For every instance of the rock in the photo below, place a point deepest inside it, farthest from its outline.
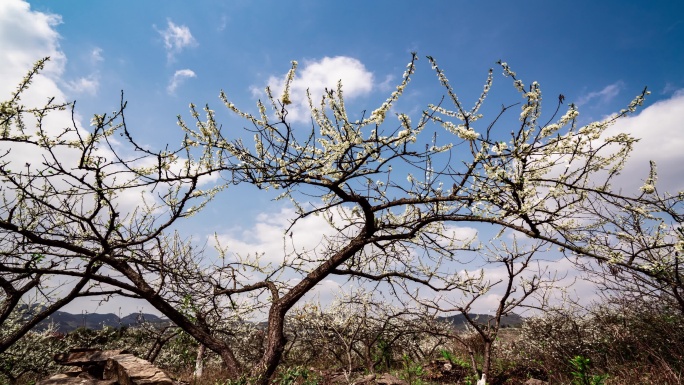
(108, 367)
(91, 361)
(534, 381)
(64, 379)
(388, 379)
(336, 378)
(131, 370)
(365, 380)
(81, 357)
(73, 372)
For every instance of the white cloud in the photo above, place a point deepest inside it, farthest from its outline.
(669, 89)
(461, 232)
(324, 293)
(96, 55)
(176, 38)
(661, 139)
(387, 84)
(604, 96)
(267, 235)
(178, 78)
(311, 236)
(316, 76)
(85, 85)
(25, 37)
(658, 129)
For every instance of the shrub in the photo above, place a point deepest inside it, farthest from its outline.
(617, 337)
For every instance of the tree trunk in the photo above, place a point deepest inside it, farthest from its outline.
(199, 332)
(154, 351)
(370, 366)
(275, 339)
(487, 358)
(199, 362)
(473, 363)
(275, 345)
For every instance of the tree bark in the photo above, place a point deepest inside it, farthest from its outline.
(199, 362)
(486, 360)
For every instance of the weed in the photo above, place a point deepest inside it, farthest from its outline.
(580, 375)
(411, 371)
(453, 359)
(239, 381)
(297, 375)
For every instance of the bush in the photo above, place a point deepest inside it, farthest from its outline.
(620, 338)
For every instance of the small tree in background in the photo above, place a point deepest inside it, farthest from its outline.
(523, 284)
(359, 330)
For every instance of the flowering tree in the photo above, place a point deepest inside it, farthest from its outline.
(68, 228)
(392, 196)
(392, 193)
(650, 237)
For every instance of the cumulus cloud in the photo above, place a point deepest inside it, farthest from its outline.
(178, 78)
(33, 36)
(176, 39)
(661, 139)
(267, 235)
(25, 37)
(318, 75)
(461, 233)
(604, 96)
(669, 89)
(85, 85)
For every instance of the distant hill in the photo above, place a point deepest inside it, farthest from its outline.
(65, 322)
(459, 320)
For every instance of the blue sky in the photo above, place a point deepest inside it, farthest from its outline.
(599, 54)
(577, 48)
